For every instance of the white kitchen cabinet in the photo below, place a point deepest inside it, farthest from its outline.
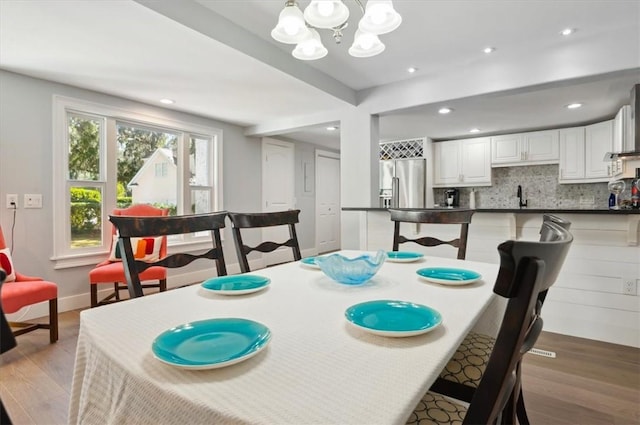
(571, 155)
(462, 163)
(622, 130)
(533, 148)
(506, 149)
(582, 151)
(598, 141)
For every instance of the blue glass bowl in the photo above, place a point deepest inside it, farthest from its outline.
(351, 271)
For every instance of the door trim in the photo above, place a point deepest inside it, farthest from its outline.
(278, 255)
(332, 155)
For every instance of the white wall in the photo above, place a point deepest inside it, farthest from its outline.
(26, 167)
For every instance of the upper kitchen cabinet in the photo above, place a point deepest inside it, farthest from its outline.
(571, 155)
(582, 151)
(598, 141)
(462, 163)
(537, 147)
(622, 130)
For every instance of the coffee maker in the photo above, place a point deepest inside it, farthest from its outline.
(452, 193)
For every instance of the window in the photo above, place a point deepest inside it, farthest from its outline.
(161, 169)
(109, 158)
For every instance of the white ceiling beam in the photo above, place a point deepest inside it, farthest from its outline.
(203, 20)
(290, 124)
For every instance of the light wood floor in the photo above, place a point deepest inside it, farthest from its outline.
(589, 382)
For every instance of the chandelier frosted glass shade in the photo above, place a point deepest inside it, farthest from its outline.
(379, 17)
(291, 27)
(366, 45)
(310, 49)
(294, 27)
(326, 13)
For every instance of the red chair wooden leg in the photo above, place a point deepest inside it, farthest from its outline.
(53, 320)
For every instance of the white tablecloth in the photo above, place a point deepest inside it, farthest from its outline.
(317, 369)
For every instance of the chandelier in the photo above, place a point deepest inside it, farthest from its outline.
(294, 27)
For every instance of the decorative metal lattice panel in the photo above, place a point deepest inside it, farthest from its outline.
(400, 149)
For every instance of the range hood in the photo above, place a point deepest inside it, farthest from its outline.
(634, 152)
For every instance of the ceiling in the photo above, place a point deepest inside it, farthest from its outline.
(215, 58)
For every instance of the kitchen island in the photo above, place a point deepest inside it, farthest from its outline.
(589, 298)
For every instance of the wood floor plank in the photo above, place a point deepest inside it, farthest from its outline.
(16, 413)
(592, 359)
(37, 393)
(574, 390)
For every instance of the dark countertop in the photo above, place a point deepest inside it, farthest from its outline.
(518, 210)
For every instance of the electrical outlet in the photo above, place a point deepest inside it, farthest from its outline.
(12, 201)
(587, 200)
(629, 286)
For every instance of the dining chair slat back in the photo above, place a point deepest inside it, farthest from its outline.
(241, 221)
(461, 217)
(516, 258)
(140, 227)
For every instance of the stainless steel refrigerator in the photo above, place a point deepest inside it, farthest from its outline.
(402, 183)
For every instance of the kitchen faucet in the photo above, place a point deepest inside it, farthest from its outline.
(519, 195)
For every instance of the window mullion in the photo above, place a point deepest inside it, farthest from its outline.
(110, 160)
(184, 190)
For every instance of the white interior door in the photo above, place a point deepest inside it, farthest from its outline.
(327, 201)
(277, 192)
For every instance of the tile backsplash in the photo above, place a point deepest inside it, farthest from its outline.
(539, 187)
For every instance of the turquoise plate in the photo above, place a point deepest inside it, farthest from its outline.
(449, 276)
(236, 284)
(310, 262)
(210, 344)
(393, 318)
(403, 256)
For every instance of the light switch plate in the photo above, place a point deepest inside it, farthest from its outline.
(33, 200)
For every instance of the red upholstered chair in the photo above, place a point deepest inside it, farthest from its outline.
(20, 290)
(112, 272)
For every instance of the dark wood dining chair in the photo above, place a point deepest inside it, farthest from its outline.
(461, 217)
(138, 227)
(465, 371)
(241, 221)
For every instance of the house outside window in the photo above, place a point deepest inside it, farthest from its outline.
(110, 158)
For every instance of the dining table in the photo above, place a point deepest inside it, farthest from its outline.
(316, 367)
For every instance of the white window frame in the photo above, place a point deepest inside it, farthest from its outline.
(64, 256)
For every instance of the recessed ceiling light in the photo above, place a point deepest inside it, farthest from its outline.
(412, 70)
(574, 105)
(489, 49)
(568, 31)
(474, 130)
(444, 110)
(167, 101)
(332, 128)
